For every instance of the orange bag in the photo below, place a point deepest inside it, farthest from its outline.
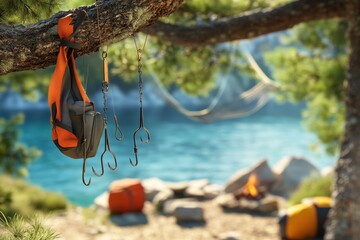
(126, 195)
(76, 127)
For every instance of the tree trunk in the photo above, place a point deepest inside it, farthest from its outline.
(344, 220)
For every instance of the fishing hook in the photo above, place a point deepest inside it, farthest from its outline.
(134, 138)
(107, 148)
(118, 130)
(84, 165)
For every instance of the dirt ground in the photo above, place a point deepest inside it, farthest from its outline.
(76, 224)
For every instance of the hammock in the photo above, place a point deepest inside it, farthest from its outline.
(228, 103)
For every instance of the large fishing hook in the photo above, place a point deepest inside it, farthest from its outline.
(107, 148)
(84, 164)
(139, 53)
(141, 127)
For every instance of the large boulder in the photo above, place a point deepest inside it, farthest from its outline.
(291, 172)
(153, 186)
(262, 171)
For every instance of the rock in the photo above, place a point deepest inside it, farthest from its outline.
(229, 236)
(160, 199)
(212, 191)
(226, 200)
(196, 188)
(102, 201)
(129, 219)
(172, 204)
(199, 183)
(291, 172)
(262, 170)
(194, 192)
(268, 205)
(189, 212)
(327, 171)
(178, 188)
(153, 186)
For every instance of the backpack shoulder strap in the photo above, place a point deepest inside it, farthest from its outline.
(67, 29)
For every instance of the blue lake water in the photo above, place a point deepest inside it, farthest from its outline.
(180, 149)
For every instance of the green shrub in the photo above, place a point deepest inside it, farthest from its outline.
(17, 228)
(15, 156)
(312, 187)
(18, 196)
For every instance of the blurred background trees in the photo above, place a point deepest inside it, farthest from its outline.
(309, 64)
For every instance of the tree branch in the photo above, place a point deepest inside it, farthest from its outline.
(36, 46)
(249, 25)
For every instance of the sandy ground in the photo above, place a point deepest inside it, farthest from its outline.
(73, 225)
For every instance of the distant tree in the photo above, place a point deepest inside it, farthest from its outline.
(14, 156)
(312, 66)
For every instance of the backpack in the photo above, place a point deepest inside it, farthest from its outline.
(76, 126)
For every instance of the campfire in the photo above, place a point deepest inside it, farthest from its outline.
(252, 189)
(252, 197)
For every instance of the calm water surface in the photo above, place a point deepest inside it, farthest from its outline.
(180, 149)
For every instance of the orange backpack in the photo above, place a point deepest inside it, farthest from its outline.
(76, 127)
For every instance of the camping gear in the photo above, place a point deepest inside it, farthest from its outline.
(76, 126)
(105, 90)
(126, 195)
(306, 220)
(139, 52)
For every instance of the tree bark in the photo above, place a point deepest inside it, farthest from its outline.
(249, 25)
(36, 46)
(344, 220)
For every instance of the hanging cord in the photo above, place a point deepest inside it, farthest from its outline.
(105, 90)
(139, 52)
(118, 133)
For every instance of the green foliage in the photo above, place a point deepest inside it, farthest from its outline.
(14, 156)
(312, 187)
(19, 197)
(77, 3)
(193, 70)
(325, 116)
(19, 228)
(30, 84)
(312, 68)
(26, 11)
(204, 10)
